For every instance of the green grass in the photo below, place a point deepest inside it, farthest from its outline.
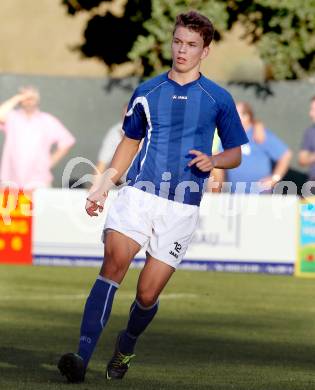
(213, 331)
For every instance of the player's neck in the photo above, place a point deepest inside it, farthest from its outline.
(184, 78)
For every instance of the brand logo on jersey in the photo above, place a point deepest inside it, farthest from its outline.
(178, 97)
(177, 248)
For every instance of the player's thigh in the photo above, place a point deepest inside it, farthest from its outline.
(152, 280)
(173, 232)
(119, 251)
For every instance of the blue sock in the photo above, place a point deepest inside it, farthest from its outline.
(139, 318)
(96, 313)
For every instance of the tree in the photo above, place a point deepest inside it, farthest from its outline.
(107, 36)
(282, 30)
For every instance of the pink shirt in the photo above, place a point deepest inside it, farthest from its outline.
(27, 148)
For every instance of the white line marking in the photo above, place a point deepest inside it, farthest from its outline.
(68, 297)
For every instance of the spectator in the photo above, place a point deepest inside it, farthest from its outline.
(265, 159)
(35, 141)
(217, 175)
(307, 152)
(110, 142)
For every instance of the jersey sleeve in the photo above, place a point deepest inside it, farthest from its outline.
(135, 121)
(274, 146)
(230, 129)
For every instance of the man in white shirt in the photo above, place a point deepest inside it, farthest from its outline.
(110, 142)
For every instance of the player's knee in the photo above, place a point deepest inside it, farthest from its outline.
(113, 270)
(114, 266)
(146, 298)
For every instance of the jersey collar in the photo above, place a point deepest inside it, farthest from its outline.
(184, 85)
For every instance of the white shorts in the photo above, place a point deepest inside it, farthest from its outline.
(165, 227)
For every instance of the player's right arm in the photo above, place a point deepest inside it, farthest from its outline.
(134, 126)
(123, 156)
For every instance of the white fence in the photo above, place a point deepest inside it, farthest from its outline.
(248, 233)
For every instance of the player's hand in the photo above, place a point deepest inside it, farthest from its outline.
(202, 161)
(95, 203)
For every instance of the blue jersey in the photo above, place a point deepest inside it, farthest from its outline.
(174, 119)
(256, 163)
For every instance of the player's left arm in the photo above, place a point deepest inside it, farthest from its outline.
(232, 136)
(228, 159)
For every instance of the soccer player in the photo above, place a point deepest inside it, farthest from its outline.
(176, 114)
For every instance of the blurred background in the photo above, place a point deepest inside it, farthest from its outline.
(87, 56)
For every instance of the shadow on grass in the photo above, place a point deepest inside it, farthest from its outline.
(30, 370)
(168, 346)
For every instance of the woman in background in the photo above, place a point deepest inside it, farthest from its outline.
(265, 159)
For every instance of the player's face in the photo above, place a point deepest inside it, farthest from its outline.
(187, 50)
(312, 111)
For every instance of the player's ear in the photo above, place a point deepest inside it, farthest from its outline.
(205, 52)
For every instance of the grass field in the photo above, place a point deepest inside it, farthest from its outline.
(213, 331)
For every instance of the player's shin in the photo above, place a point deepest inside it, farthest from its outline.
(96, 313)
(139, 319)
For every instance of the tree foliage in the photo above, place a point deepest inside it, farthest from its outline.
(282, 30)
(107, 36)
